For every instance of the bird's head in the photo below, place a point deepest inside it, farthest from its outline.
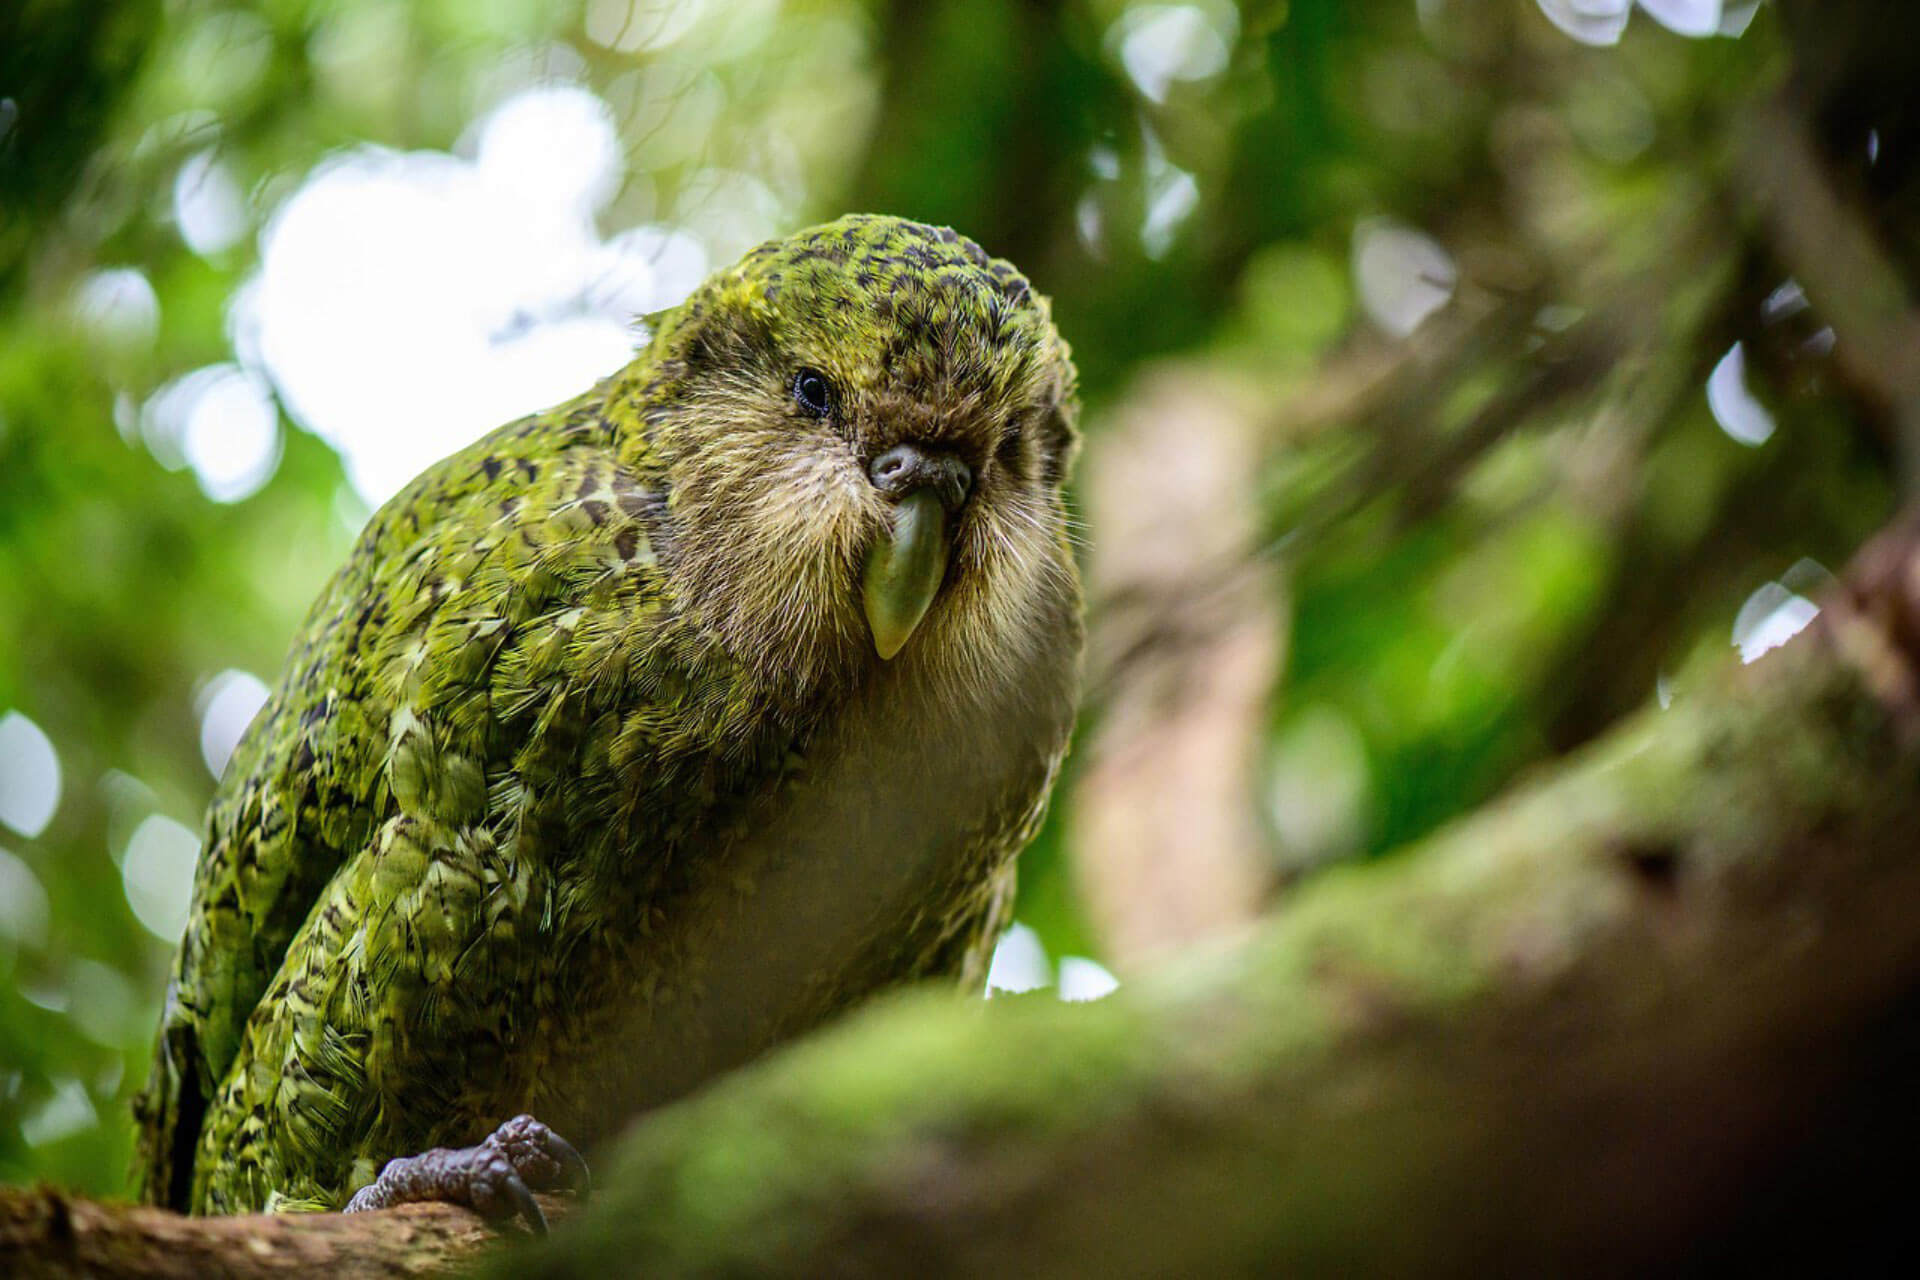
(865, 428)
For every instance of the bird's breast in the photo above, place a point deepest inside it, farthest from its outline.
(854, 873)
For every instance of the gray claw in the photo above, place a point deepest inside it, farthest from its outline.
(525, 1205)
(579, 1178)
(496, 1178)
(545, 1159)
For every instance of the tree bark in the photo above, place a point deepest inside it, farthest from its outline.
(1573, 1032)
(45, 1233)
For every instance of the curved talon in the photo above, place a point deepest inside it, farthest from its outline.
(527, 1208)
(573, 1166)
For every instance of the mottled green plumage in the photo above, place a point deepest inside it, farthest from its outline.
(584, 779)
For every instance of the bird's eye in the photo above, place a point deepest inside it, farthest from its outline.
(812, 392)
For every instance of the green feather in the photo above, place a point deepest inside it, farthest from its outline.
(583, 781)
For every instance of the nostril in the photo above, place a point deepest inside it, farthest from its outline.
(907, 467)
(956, 482)
(895, 467)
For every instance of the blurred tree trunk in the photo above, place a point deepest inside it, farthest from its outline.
(1163, 825)
(1575, 1032)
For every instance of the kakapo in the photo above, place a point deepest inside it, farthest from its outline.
(638, 736)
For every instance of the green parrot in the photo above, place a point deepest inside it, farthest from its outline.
(639, 736)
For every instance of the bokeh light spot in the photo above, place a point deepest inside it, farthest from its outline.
(118, 306)
(1770, 617)
(221, 421)
(1083, 979)
(1784, 302)
(1596, 22)
(558, 140)
(208, 206)
(1736, 18)
(1089, 221)
(1163, 44)
(1734, 407)
(228, 703)
(1603, 22)
(231, 433)
(1686, 17)
(1402, 275)
(157, 874)
(1019, 963)
(23, 902)
(29, 775)
(1173, 197)
(407, 303)
(67, 1112)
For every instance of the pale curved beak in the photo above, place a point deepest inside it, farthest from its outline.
(904, 569)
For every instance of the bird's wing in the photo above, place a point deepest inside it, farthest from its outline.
(465, 572)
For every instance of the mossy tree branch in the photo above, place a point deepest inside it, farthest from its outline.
(1565, 1032)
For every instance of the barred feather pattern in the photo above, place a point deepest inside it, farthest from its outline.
(582, 781)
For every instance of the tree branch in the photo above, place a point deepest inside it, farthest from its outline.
(46, 1233)
(1568, 1032)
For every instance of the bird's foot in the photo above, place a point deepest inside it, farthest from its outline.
(496, 1179)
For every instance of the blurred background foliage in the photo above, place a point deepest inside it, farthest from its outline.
(1443, 395)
